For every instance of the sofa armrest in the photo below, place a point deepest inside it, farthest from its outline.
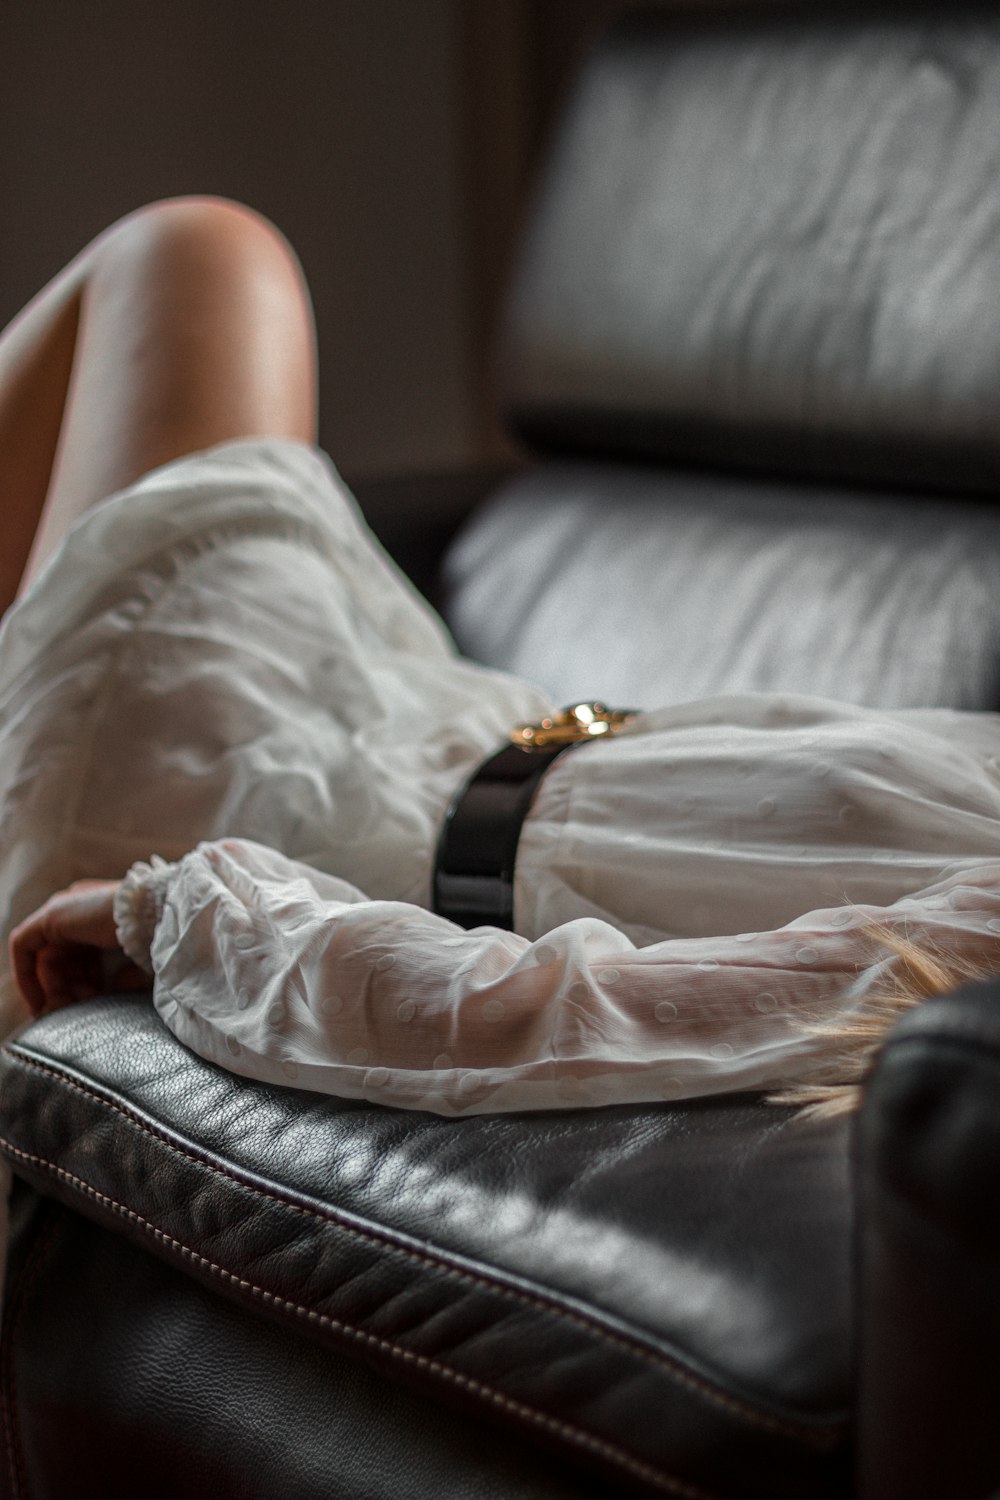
(929, 1216)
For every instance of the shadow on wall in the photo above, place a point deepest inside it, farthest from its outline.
(338, 119)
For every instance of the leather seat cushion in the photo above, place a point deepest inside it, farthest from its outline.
(659, 1292)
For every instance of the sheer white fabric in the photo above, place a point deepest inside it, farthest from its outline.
(222, 652)
(281, 973)
(223, 648)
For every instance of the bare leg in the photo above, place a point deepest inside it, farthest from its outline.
(186, 324)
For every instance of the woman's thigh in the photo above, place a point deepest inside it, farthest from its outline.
(195, 328)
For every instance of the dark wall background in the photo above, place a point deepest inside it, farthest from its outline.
(393, 141)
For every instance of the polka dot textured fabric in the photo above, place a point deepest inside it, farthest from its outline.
(692, 898)
(482, 1021)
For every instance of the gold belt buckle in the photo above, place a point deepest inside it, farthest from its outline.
(581, 721)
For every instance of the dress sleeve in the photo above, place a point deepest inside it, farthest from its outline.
(281, 973)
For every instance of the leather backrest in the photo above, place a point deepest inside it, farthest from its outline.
(772, 241)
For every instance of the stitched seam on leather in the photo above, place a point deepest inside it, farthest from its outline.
(674, 1371)
(577, 1435)
(25, 1287)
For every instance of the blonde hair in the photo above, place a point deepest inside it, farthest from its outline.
(919, 973)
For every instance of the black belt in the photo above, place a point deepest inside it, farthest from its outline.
(477, 848)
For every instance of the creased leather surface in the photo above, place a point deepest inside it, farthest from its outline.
(647, 586)
(770, 241)
(611, 1280)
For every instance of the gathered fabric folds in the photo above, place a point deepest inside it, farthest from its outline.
(223, 648)
(222, 682)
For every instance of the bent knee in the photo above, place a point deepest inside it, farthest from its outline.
(208, 235)
(206, 216)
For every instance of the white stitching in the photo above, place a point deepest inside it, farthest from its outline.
(671, 1369)
(540, 1419)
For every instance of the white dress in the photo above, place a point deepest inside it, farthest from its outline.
(221, 668)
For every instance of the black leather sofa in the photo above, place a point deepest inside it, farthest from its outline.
(754, 344)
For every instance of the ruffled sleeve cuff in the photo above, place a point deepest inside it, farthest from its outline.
(139, 906)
